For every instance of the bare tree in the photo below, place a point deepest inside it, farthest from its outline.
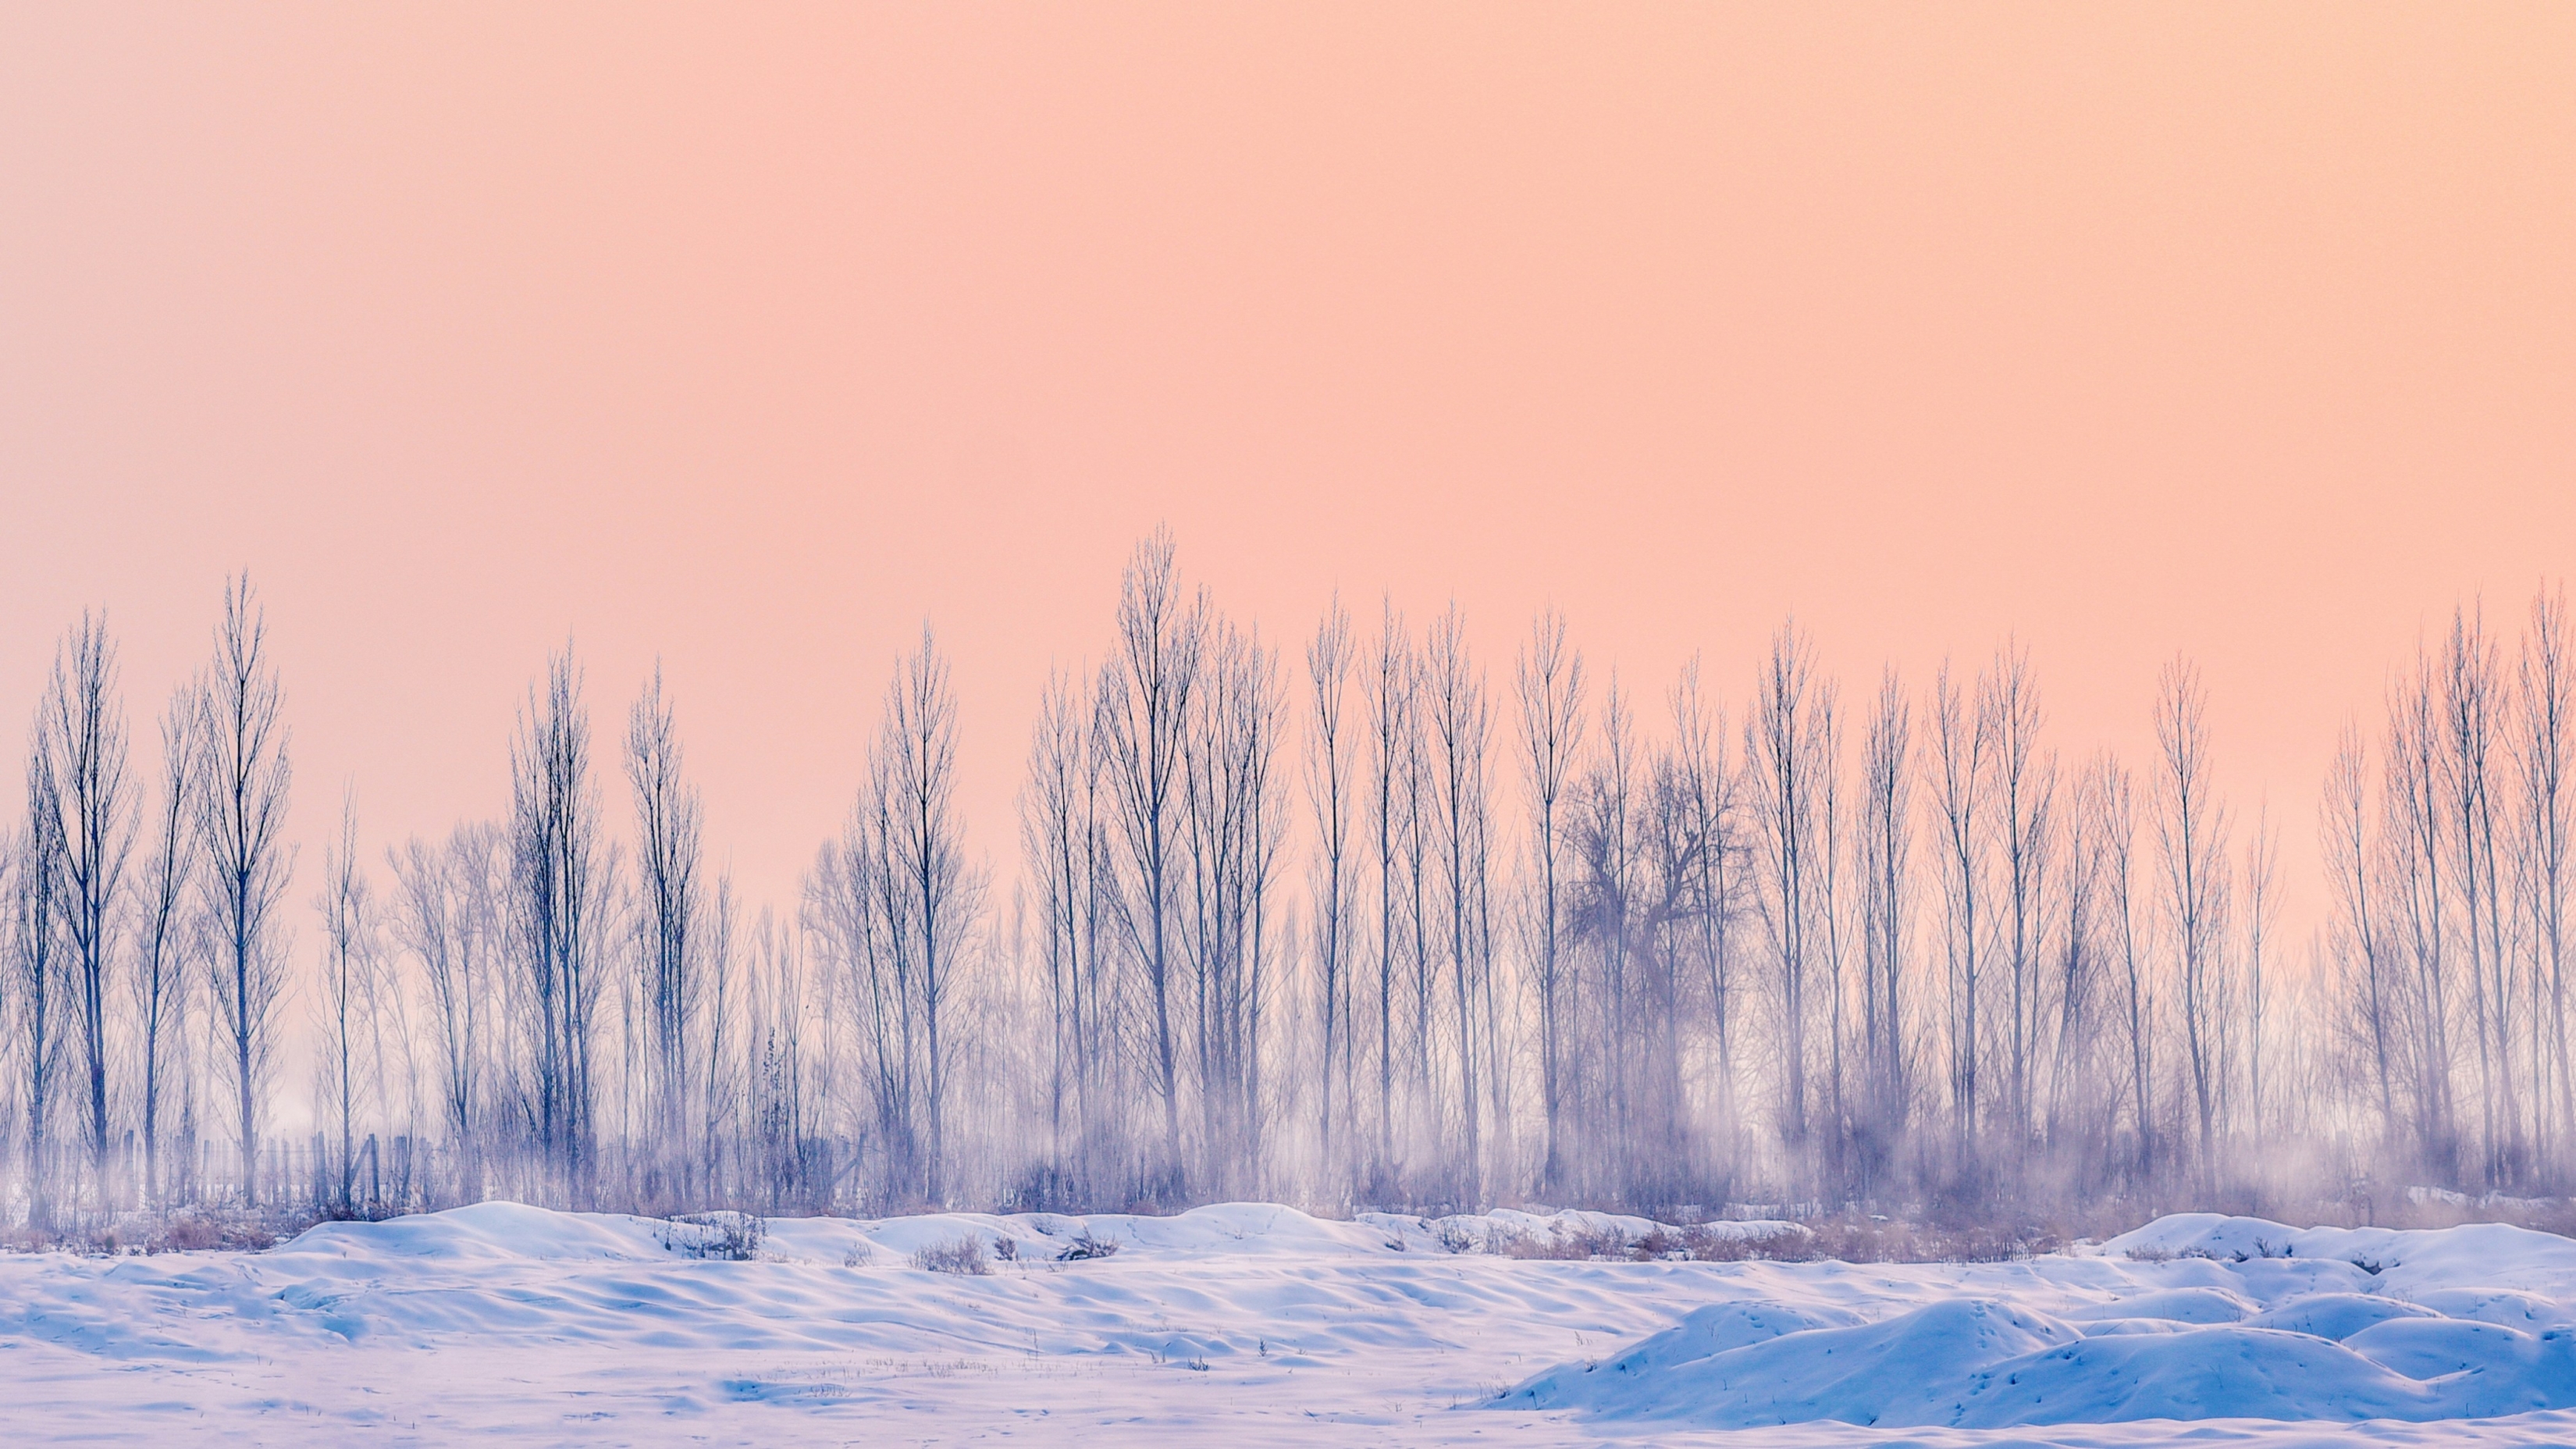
(1682, 831)
(1461, 732)
(446, 916)
(668, 926)
(80, 742)
(1230, 823)
(781, 1111)
(2025, 791)
(2117, 814)
(559, 897)
(1063, 839)
(1962, 743)
(2079, 1111)
(720, 1078)
(2469, 742)
(858, 912)
(1392, 733)
(241, 817)
(1144, 718)
(1550, 685)
(1886, 856)
(2350, 852)
(943, 895)
(1792, 751)
(36, 975)
(2542, 750)
(1710, 859)
(2262, 910)
(347, 1001)
(1608, 896)
(2191, 840)
(161, 974)
(2412, 798)
(1415, 852)
(1331, 759)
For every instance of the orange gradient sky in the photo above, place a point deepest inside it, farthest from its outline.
(750, 337)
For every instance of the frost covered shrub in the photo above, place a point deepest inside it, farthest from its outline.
(1045, 1189)
(963, 1255)
(1088, 1247)
(718, 1236)
(85, 1240)
(1850, 1240)
(1706, 1243)
(197, 1229)
(1578, 1245)
(187, 1233)
(1835, 1239)
(1517, 1244)
(1658, 1244)
(1600, 1242)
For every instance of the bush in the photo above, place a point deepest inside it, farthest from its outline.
(964, 1255)
(233, 1230)
(1601, 1242)
(1705, 1243)
(1088, 1247)
(1560, 1245)
(724, 1237)
(1874, 1240)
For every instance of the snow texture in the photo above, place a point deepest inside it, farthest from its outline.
(1254, 1324)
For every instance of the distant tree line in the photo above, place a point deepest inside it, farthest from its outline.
(1364, 919)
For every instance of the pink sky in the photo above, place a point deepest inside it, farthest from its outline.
(751, 338)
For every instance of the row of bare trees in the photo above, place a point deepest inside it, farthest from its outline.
(2448, 948)
(178, 961)
(1556, 942)
(1376, 920)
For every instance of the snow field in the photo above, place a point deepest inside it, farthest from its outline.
(1256, 1324)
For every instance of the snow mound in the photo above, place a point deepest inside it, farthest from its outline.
(484, 1232)
(2336, 1316)
(2484, 1255)
(2226, 1372)
(2198, 1317)
(1914, 1368)
(2173, 1305)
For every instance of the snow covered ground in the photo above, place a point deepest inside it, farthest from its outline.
(1249, 1324)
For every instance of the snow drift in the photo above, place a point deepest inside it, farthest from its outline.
(2191, 1317)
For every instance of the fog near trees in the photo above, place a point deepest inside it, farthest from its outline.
(1375, 912)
